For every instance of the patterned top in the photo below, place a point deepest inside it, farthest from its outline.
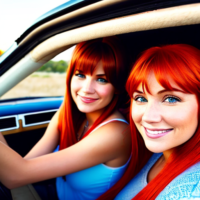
(186, 186)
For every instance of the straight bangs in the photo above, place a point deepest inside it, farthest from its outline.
(109, 65)
(87, 56)
(169, 65)
(85, 59)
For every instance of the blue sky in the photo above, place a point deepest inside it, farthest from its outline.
(17, 15)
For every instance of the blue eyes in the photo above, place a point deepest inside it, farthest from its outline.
(101, 80)
(168, 99)
(172, 100)
(140, 99)
(80, 75)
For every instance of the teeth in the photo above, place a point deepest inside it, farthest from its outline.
(156, 132)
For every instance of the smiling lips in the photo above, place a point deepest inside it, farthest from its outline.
(156, 133)
(87, 100)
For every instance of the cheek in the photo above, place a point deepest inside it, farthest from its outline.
(184, 121)
(74, 87)
(106, 91)
(136, 112)
(183, 117)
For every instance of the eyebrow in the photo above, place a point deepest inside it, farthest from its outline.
(100, 75)
(162, 91)
(139, 91)
(78, 70)
(174, 89)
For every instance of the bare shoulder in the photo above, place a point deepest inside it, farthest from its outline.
(116, 134)
(116, 126)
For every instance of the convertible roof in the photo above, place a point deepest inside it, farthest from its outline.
(119, 8)
(76, 14)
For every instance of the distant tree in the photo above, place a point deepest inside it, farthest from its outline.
(54, 66)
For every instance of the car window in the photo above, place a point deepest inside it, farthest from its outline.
(49, 80)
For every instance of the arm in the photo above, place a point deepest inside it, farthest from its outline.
(101, 146)
(48, 142)
(2, 139)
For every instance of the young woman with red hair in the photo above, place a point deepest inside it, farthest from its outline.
(93, 135)
(164, 86)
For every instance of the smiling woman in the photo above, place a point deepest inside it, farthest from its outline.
(91, 92)
(92, 134)
(169, 113)
(164, 87)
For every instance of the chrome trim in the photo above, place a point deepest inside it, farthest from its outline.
(22, 117)
(11, 128)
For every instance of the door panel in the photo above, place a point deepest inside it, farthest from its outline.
(23, 122)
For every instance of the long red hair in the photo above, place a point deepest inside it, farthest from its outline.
(85, 57)
(181, 63)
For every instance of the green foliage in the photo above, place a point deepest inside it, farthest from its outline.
(53, 66)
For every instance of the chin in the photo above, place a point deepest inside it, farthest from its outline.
(155, 148)
(85, 110)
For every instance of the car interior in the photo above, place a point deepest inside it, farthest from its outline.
(179, 24)
(25, 119)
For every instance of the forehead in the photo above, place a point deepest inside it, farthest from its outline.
(154, 86)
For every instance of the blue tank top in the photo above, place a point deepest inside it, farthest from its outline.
(90, 183)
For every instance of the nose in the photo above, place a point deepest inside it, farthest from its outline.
(88, 86)
(152, 113)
